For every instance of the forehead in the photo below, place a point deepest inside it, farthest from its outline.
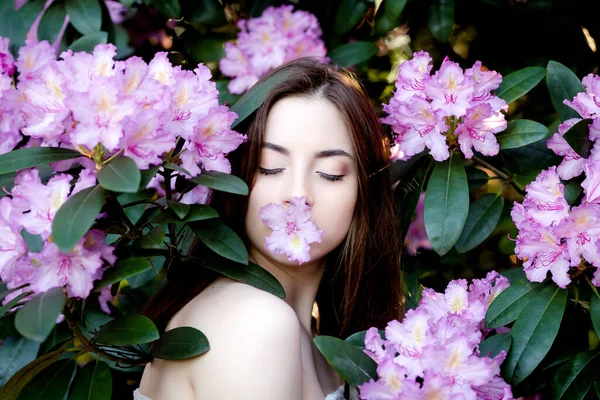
(299, 123)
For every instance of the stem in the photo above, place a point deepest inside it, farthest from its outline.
(171, 226)
(109, 159)
(495, 170)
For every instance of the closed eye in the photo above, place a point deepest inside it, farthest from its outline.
(265, 171)
(332, 178)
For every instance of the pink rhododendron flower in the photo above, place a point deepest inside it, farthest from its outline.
(279, 35)
(449, 106)
(572, 163)
(293, 232)
(433, 352)
(7, 61)
(211, 141)
(104, 298)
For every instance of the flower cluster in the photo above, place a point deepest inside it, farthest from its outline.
(450, 106)
(293, 232)
(279, 35)
(101, 107)
(554, 237)
(433, 353)
(29, 212)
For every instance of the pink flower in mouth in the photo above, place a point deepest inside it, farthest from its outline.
(293, 233)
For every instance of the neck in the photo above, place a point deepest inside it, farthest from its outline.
(300, 283)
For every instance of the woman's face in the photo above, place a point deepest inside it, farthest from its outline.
(307, 152)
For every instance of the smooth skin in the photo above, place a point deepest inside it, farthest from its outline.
(261, 346)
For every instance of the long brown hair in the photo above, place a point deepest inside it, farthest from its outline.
(361, 286)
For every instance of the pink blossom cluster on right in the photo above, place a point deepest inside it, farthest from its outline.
(554, 237)
(279, 35)
(433, 353)
(449, 106)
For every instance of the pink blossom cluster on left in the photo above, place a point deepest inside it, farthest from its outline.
(87, 100)
(279, 35)
(449, 106)
(554, 237)
(30, 210)
(433, 352)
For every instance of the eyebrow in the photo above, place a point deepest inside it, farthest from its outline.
(320, 154)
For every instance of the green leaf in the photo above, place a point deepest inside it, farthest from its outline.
(168, 8)
(250, 101)
(518, 83)
(35, 244)
(441, 19)
(484, 214)
(225, 97)
(52, 22)
(521, 132)
(251, 274)
(147, 176)
(221, 239)
(350, 13)
(353, 366)
(573, 191)
(476, 178)
(12, 303)
(412, 289)
(92, 382)
(510, 303)
(350, 54)
(574, 378)
(32, 157)
(85, 15)
(36, 319)
(51, 383)
(17, 382)
(174, 167)
(130, 329)
(388, 15)
(76, 216)
(200, 212)
(493, 345)
(533, 333)
(358, 339)
(123, 269)
(562, 84)
(222, 181)
(208, 12)
(595, 310)
(446, 203)
(578, 137)
(181, 209)
(408, 191)
(180, 344)
(153, 239)
(15, 24)
(208, 49)
(15, 353)
(88, 42)
(120, 175)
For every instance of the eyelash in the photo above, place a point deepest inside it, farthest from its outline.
(327, 177)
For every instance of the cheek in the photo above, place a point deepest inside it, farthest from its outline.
(334, 214)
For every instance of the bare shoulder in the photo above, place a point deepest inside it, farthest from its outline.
(255, 343)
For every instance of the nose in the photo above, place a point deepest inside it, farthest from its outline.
(298, 186)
